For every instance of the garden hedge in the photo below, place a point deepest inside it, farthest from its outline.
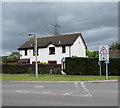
(89, 66)
(30, 68)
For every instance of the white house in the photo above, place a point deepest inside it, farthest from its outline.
(53, 49)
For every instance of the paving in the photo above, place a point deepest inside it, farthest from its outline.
(59, 94)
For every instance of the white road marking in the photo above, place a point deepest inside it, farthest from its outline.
(86, 90)
(39, 86)
(76, 85)
(46, 92)
(19, 91)
(66, 93)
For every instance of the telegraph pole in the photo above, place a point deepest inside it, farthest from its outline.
(56, 26)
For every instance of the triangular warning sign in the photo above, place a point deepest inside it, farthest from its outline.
(103, 50)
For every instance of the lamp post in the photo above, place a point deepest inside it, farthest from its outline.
(35, 53)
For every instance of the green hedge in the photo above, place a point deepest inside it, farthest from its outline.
(11, 60)
(89, 66)
(30, 68)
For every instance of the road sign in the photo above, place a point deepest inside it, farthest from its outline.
(104, 56)
(103, 52)
(107, 62)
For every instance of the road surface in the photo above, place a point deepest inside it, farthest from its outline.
(59, 94)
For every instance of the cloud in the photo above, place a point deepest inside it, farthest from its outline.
(96, 21)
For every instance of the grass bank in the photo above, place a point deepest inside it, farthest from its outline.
(49, 78)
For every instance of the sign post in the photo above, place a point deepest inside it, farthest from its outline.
(99, 63)
(104, 56)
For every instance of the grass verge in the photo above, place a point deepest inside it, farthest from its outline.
(48, 78)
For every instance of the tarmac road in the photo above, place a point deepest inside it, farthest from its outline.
(59, 94)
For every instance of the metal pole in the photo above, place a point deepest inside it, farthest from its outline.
(100, 68)
(36, 65)
(106, 71)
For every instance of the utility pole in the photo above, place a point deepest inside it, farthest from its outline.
(56, 26)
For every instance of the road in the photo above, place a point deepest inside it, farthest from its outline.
(59, 94)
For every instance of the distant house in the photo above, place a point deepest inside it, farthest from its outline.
(114, 53)
(53, 49)
(2, 58)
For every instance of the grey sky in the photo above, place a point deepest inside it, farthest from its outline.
(98, 22)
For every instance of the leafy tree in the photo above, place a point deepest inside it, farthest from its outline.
(94, 54)
(89, 53)
(115, 46)
(15, 54)
(14, 57)
(11, 60)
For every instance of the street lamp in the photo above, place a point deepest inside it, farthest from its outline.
(35, 53)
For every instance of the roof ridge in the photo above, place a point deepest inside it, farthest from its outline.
(67, 39)
(60, 35)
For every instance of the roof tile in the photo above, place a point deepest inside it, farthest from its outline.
(60, 40)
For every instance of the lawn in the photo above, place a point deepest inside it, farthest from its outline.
(50, 78)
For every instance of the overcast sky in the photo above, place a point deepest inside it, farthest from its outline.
(97, 21)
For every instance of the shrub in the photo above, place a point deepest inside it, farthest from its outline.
(43, 63)
(89, 66)
(30, 68)
(11, 60)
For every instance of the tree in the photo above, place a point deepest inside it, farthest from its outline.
(14, 54)
(115, 46)
(13, 58)
(89, 53)
(94, 54)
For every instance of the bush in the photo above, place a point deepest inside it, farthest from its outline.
(30, 68)
(11, 60)
(89, 66)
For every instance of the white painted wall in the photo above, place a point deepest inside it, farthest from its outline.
(45, 57)
(77, 49)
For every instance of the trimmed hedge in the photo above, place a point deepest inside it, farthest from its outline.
(89, 66)
(30, 68)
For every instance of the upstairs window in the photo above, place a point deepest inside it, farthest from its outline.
(51, 50)
(63, 49)
(25, 51)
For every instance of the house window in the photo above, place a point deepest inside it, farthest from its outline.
(25, 51)
(51, 50)
(63, 49)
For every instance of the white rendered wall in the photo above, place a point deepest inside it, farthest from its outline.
(44, 54)
(78, 48)
(45, 57)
